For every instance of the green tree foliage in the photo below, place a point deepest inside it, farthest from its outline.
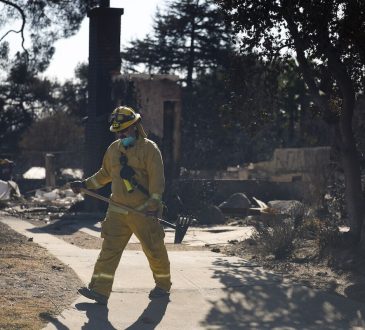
(30, 98)
(327, 39)
(42, 23)
(224, 127)
(22, 98)
(242, 112)
(239, 106)
(73, 93)
(189, 37)
(23, 95)
(59, 133)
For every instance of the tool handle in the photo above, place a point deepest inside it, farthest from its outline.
(129, 209)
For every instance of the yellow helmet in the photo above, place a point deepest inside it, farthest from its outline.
(123, 117)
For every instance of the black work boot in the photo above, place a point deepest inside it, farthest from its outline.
(158, 293)
(91, 294)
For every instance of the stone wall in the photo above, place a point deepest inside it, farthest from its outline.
(286, 165)
(297, 160)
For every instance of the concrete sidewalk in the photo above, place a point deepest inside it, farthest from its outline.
(195, 236)
(210, 291)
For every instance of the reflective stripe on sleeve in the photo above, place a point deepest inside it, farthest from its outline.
(95, 183)
(156, 196)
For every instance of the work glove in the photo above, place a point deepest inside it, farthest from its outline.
(77, 185)
(151, 207)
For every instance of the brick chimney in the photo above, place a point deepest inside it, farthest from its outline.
(104, 62)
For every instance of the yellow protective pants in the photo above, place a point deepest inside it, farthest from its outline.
(116, 230)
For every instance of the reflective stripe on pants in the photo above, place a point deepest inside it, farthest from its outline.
(116, 231)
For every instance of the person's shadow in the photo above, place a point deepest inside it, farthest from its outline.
(97, 316)
(152, 315)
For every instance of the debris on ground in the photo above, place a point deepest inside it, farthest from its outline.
(44, 204)
(8, 189)
(72, 173)
(35, 172)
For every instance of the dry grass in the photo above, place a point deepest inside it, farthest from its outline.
(34, 286)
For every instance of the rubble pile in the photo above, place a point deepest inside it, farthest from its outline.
(44, 204)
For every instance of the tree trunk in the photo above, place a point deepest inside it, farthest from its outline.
(303, 118)
(191, 59)
(349, 155)
(291, 124)
(353, 189)
(348, 148)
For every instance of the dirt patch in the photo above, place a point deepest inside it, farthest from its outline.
(61, 229)
(83, 240)
(34, 286)
(336, 271)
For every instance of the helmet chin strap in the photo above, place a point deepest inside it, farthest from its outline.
(140, 130)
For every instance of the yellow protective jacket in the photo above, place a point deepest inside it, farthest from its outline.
(145, 158)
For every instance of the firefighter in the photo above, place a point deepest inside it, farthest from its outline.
(133, 165)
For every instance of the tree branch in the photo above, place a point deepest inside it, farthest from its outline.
(305, 66)
(21, 31)
(342, 77)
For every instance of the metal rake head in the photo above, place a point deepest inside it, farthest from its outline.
(182, 225)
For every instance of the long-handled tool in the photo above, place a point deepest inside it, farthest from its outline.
(180, 227)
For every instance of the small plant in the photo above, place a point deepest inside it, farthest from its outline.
(329, 236)
(325, 232)
(277, 240)
(310, 227)
(334, 199)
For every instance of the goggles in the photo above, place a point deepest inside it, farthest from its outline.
(120, 118)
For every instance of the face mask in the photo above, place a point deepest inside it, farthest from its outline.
(128, 141)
